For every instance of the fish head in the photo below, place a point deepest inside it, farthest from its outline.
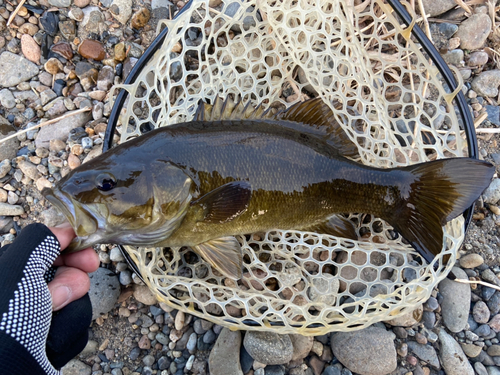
(130, 204)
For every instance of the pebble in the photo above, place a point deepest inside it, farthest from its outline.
(224, 357)
(104, 291)
(53, 66)
(60, 129)
(425, 352)
(495, 323)
(64, 49)
(408, 319)
(480, 369)
(437, 7)
(481, 312)
(302, 345)
(268, 347)
(29, 169)
(143, 294)
(10, 210)
(453, 359)
(471, 261)
(474, 31)
(471, 350)
(31, 50)
(105, 78)
(73, 161)
(15, 69)
(7, 100)
(92, 49)
(486, 83)
(478, 58)
(179, 320)
(367, 351)
(140, 18)
(76, 367)
(124, 10)
(116, 255)
(456, 301)
(144, 342)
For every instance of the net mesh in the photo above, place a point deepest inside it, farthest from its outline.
(388, 98)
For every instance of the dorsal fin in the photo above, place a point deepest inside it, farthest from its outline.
(312, 117)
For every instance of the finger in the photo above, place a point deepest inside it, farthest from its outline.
(87, 260)
(64, 234)
(68, 285)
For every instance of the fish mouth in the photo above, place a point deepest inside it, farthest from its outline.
(83, 222)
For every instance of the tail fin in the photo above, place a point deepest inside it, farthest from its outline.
(440, 191)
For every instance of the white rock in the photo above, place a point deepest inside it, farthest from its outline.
(10, 210)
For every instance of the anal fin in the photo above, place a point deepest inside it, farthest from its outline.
(224, 254)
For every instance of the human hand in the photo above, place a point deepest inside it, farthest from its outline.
(33, 339)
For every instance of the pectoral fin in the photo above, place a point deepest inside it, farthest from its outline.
(224, 254)
(226, 202)
(337, 226)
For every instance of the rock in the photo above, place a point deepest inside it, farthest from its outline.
(453, 359)
(15, 69)
(5, 167)
(494, 322)
(494, 350)
(53, 66)
(471, 350)
(437, 7)
(471, 261)
(474, 31)
(456, 301)
(425, 352)
(493, 112)
(76, 367)
(492, 194)
(409, 319)
(81, 3)
(224, 357)
(144, 295)
(43, 183)
(481, 312)
(87, 75)
(493, 370)
(50, 22)
(29, 169)
(28, 28)
(455, 57)
(8, 149)
(60, 129)
(441, 34)
(124, 10)
(64, 49)
(31, 50)
(10, 210)
(268, 347)
(60, 3)
(92, 49)
(104, 291)
(105, 78)
(68, 29)
(478, 58)
(369, 351)
(486, 84)
(140, 19)
(301, 346)
(47, 95)
(155, 4)
(76, 14)
(7, 100)
(73, 161)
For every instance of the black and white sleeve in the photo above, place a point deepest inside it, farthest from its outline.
(26, 318)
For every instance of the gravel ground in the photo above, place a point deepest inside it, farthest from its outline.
(59, 56)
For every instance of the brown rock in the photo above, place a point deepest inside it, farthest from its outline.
(28, 28)
(42, 183)
(317, 365)
(145, 342)
(73, 161)
(77, 149)
(92, 49)
(81, 3)
(64, 49)
(56, 145)
(140, 19)
(53, 66)
(30, 48)
(301, 346)
(120, 52)
(495, 323)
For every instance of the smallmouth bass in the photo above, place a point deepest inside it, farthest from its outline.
(238, 170)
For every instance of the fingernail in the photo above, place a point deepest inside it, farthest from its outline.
(60, 297)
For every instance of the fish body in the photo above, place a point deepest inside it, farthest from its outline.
(200, 183)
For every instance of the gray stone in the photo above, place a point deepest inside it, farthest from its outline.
(268, 347)
(225, 356)
(5, 167)
(29, 169)
(126, 277)
(493, 112)
(125, 10)
(301, 346)
(10, 210)
(7, 100)
(493, 370)
(474, 31)
(471, 261)
(441, 34)
(52, 217)
(60, 3)
(425, 352)
(480, 369)
(409, 319)
(155, 4)
(369, 351)
(116, 255)
(8, 149)
(481, 312)
(104, 291)
(15, 69)
(76, 367)
(60, 129)
(453, 358)
(143, 294)
(492, 194)
(105, 78)
(478, 58)
(47, 95)
(456, 301)
(437, 7)
(455, 57)
(486, 83)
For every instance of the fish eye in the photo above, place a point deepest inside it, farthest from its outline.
(105, 182)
